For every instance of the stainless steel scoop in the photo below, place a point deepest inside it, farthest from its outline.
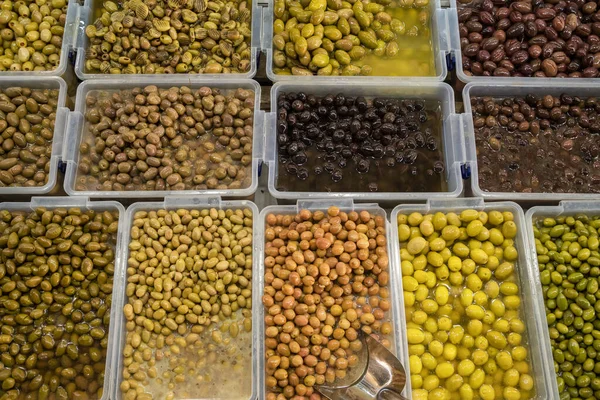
(378, 375)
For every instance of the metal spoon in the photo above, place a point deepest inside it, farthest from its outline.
(378, 375)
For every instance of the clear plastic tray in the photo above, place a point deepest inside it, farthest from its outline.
(85, 17)
(565, 208)
(538, 340)
(76, 122)
(43, 82)
(174, 203)
(441, 20)
(499, 89)
(259, 278)
(452, 140)
(508, 80)
(65, 51)
(120, 262)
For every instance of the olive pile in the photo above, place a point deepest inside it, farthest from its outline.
(31, 33)
(326, 280)
(56, 282)
(464, 328)
(541, 38)
(568, 256)
(150, 138)
(335, 37)
(538, 143)
(189, 291)
(358, 140)
(170, 36)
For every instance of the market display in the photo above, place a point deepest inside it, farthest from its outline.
(31, 33)
(167, 37)
(188, 319)
(340, 143)
(530, 38)
(466, 332)
(326, 277)
(27, 118)
(568, 259)
(535, 143)
(150, 138)
(56, 291)
(335, 37)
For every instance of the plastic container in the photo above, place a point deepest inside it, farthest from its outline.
(565, 208)
(452, 142)
(81, 43)
(118, 281)
(346, 205)
(509, 80)
(500, 90)
(440, 32)
(68, 42)
(533, 316)
(174, 203)
(76, 123)
(43, 82)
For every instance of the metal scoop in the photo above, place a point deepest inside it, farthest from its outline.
(378, 375)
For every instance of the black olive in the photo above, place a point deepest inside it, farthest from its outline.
(293, 148)
(361, 135)
(373, 187)
(329, 167)
(513, 166)
(410, 157)
(332, 115)
(336, 175)
(355, 126)
(388, 128)
(282, 127)
(312, 100)
(344, 124)
(420, 139)
(338, 136)
(318, 170)
(390, 162)
(340, 99)
(282, 113)
(302, 174)
(363, 166)
(329, 146)
(431, 144)
(399, 157)
(361, 103)
(438, 167)
(353, 110)
(377, 102)
(350, 101)
(305, 116)
(411, 143)
(376, 134)
(389, 151)
(297, 105)
(331, 157)
(378, 150)
(419, 105)
(346, 152)
(342, 163)
(312, 132)
(291, 168)
(314, 116)
(401, 144)
(301, 96)
(386, 140)
(414, 171)
(328, 100)
(283, 140)
(292, 119)
(322, 110)
(410, 105)
(342, 111)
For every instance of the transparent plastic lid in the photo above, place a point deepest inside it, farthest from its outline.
(119, 262)
(247, 385)
(451, 135)
(77, 131)
(453, 27)
(42, 82)
(440, 18)
(531, 305)
(81, 44)
(500, 90)
(68, 41)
